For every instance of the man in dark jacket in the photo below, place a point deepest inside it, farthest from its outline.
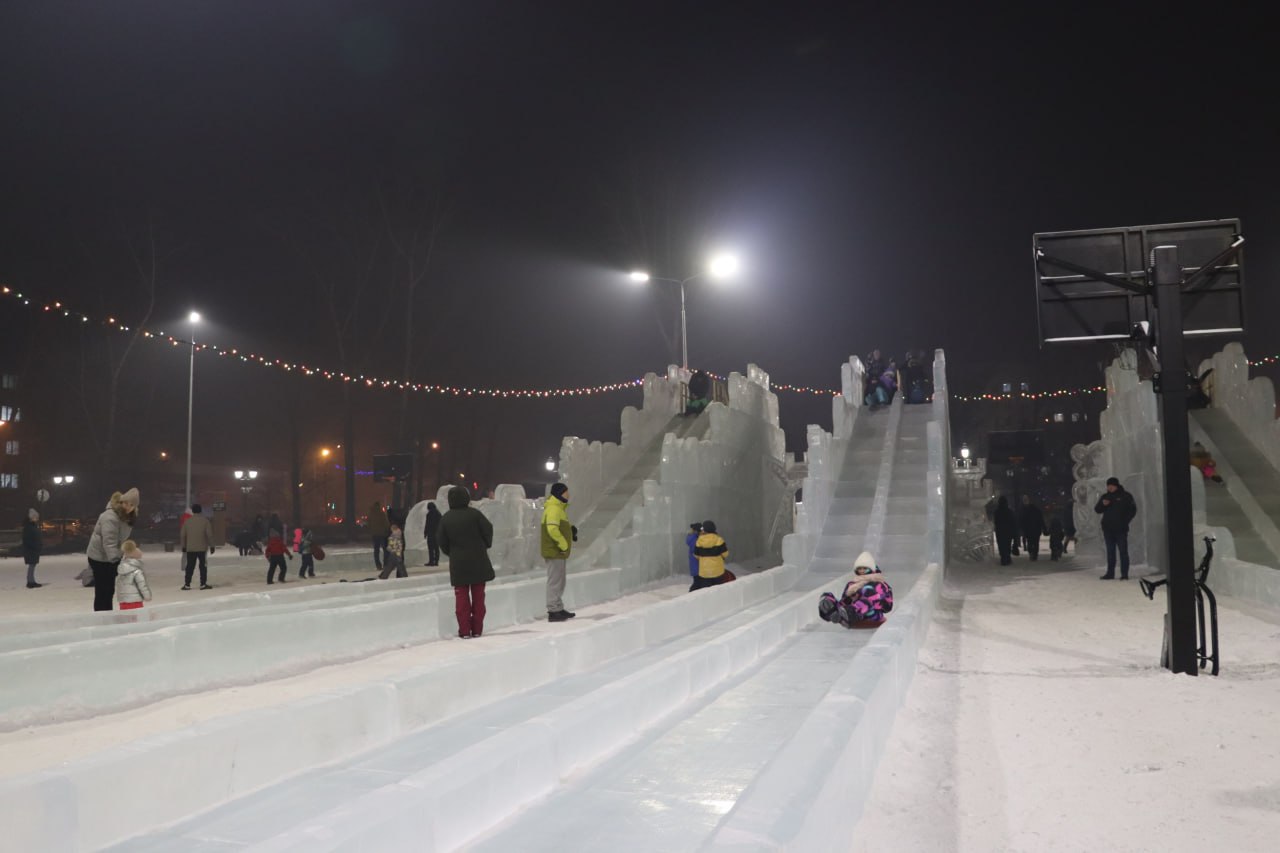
(1006, 529)
(466, 537)
(1031, 520)
(32, 545)
(379, 532)
(430, 530)
(1117, 508)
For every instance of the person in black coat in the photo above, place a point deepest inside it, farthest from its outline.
(1031, 520)
(1006, 529)
(430, 530)
(1117, 508)
(466, 537)
(32, 545)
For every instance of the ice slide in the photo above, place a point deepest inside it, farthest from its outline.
(331, 671)
(1249, 503)
(701, 721)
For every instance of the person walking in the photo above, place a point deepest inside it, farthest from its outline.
(275, 552)
(196, 540)
(308, 567)
(465, 537)
(32, 545)
(379, 532)
(1006, 526)
(394, 559)
(1031, 520)
(431, 529)
(557, 536)
(112, 528)
(1117, 508)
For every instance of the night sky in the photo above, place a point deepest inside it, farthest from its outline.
(880, 172)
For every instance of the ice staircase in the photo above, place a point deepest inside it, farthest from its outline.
(1249, 503)
(709, 721)
(610, 518)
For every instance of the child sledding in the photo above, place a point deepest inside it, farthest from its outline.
(866, 601)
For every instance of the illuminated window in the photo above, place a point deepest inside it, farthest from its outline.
(1006, 388)
(1058, 417)
(8, 481)
(1075, 417)
(9, 382)
(10, 413)
(11, 448)
(1024, 387)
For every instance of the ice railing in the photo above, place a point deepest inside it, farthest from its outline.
(1131, 448)
(1250, 403)
(734, 475)
(824, 456)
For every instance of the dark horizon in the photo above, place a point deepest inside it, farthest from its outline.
(879, 171)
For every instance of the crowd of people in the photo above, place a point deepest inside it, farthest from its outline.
(1023, 529)
(885, 379)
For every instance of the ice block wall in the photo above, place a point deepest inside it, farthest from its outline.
(591, 467)
(1251, 403)
(735, 476)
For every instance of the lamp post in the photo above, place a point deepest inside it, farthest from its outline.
(964, 454)
(245, 479)
(193, 318)
(63, 480)
(551, 464)
(720, 267)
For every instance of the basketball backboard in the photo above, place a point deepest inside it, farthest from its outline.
(1093, 285)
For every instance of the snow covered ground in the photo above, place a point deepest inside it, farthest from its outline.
(228, 573)
(1040, 720)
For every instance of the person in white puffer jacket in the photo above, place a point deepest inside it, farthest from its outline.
(131, 582)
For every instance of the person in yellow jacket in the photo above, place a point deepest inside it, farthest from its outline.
(557, 538)
(711, 551)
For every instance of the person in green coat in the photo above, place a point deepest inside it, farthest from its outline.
(465, 537)
(557, 536)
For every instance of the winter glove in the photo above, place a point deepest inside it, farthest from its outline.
(575, 534)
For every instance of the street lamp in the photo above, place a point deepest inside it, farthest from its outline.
(245, 479)
(964, 451)
(193, 318)
(721, 266)
(551, 464)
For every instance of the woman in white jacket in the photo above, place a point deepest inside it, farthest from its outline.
(114, 526)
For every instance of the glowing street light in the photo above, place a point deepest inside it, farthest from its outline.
(720, 267)
(325, 453)
(551, 464)
(964, 451)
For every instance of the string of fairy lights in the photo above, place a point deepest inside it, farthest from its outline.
(59, 308)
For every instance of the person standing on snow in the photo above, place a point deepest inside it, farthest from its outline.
(379, 531)
(557, 536)
(112, 528)
(431, 529)
(1006, 526)
(196, 540)
(1031, 520)
(466, 536)
(32, 545)
(1117, 508)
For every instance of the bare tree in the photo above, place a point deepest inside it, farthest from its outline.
(101, 379)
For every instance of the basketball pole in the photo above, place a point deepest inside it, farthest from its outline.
(1167, 281)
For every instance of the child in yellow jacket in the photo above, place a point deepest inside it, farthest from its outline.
(711, 550)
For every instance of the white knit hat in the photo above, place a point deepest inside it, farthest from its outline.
(866, 560)
(131, 496)
(32, 515)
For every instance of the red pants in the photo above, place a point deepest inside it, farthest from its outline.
(469, 607)
(130, 605)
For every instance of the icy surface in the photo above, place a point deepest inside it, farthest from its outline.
(1039, 720)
